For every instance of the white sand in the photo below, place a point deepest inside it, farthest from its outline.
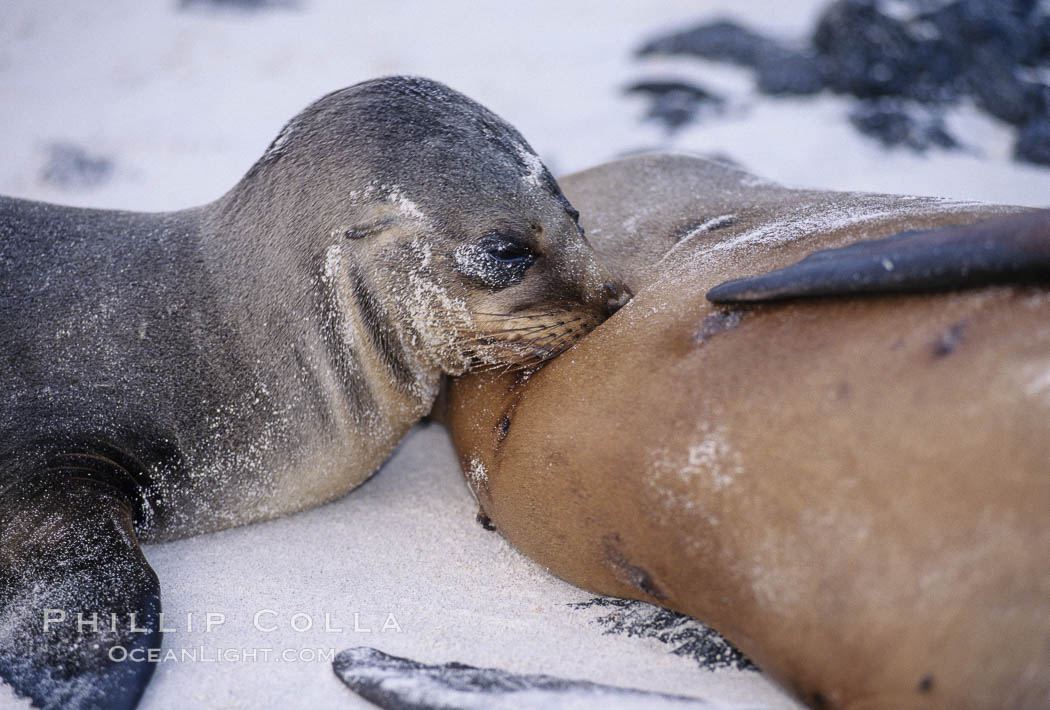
(406, 544)
(184, 102)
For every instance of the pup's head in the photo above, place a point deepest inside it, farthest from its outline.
(442, 212)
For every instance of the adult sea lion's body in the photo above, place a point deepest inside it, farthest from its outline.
(169, 374)
(854, 490)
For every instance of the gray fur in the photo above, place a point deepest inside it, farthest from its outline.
(204, 349)
(169, 374)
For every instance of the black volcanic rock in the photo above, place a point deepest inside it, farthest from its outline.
(73, 167)
(934, 52)
(722, 41)
(1001, 26)
(867, 53)
(676, 103)
(940, 53)
(780, 69)
(792, 73)
(896, 123)
(1033, 142)
(1001, 93)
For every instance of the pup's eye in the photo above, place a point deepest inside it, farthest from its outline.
(497, 260)
(507, 249)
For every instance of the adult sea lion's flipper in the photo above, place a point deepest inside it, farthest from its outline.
(395, 683)
(1003, 250)
(75, 595)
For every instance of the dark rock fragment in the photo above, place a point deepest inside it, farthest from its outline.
(676, 103)
(722, 41)
(780, 69)
(70, 166)
(896, 123)
(1033, 142)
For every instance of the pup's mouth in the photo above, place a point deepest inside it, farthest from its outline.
(517, 341)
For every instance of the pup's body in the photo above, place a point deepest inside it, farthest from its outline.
(170, 374)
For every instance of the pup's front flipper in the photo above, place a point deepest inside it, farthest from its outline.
(1003, 250)
(75, 596)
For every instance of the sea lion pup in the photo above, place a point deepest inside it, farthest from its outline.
(853, 489)
(170, 374)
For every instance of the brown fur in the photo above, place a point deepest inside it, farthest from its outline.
(854, 491)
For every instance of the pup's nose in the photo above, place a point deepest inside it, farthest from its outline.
(616, 295)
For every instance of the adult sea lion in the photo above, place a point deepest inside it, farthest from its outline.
(853, 489)
(176, 373)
